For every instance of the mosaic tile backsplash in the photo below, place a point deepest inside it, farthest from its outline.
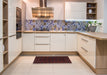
(48, 25)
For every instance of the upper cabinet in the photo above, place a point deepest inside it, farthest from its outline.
(58, 8)
(75, 10)
(11, 18)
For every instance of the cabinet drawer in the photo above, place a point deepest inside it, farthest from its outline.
(42, 40)
(85, 42)
(42, 34)
(42, 47)
(84, 51)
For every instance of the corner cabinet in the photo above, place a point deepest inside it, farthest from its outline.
(28, 42)
(1, 56)
(58, 41)
(87, 49)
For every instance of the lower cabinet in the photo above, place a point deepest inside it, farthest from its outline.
(58, 42)
(28, 42)
(49, 42)
(42, 41)
(12, 48)
(19, 45)
(71, 42)
(87, 49)
(1, 56)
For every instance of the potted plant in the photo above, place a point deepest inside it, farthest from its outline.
(92, 26)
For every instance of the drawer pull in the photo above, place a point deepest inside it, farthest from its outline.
(42, 44)
(84, 49)
(42, 36)
(12, 35)
(84, 40)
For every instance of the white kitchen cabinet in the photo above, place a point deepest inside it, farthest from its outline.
(1, 56)
(12, 48)
(58, 7)
(92, 52)
(75, 10)
(19, 45)
(42, 41)
(58, 42)
(1, 6)
(42, 47)
(87, 49)
(71, 42)
(12, 17)
(28, 42)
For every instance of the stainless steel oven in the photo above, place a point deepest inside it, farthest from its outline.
(18, 23)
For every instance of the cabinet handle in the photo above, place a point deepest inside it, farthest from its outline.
(84, 49)
(42, 44)
(84, 40)
(42, 36)
(12, 35)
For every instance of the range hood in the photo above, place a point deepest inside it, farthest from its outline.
(42, 12)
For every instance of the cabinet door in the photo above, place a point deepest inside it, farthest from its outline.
(1, 19)
(75, 10)
(71, 42)
(12, 48)
(1, 56)
(28, 42)
(19, 45)
(58, 42)
(92, 52)
(79, 43)
(12, 17)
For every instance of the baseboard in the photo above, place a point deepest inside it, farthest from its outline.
(10, 64)
(91, 67)
(49, 53)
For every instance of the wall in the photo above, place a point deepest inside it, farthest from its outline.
(105, 16)
(19, 3)
(48, 25)
(29, 5)
(100, 13)
(23, 14)
(100, 9)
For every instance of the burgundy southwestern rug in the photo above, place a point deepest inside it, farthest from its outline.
(51, 59)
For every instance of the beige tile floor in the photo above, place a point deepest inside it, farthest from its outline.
(24, 66)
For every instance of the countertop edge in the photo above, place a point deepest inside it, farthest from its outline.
(82, 33)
